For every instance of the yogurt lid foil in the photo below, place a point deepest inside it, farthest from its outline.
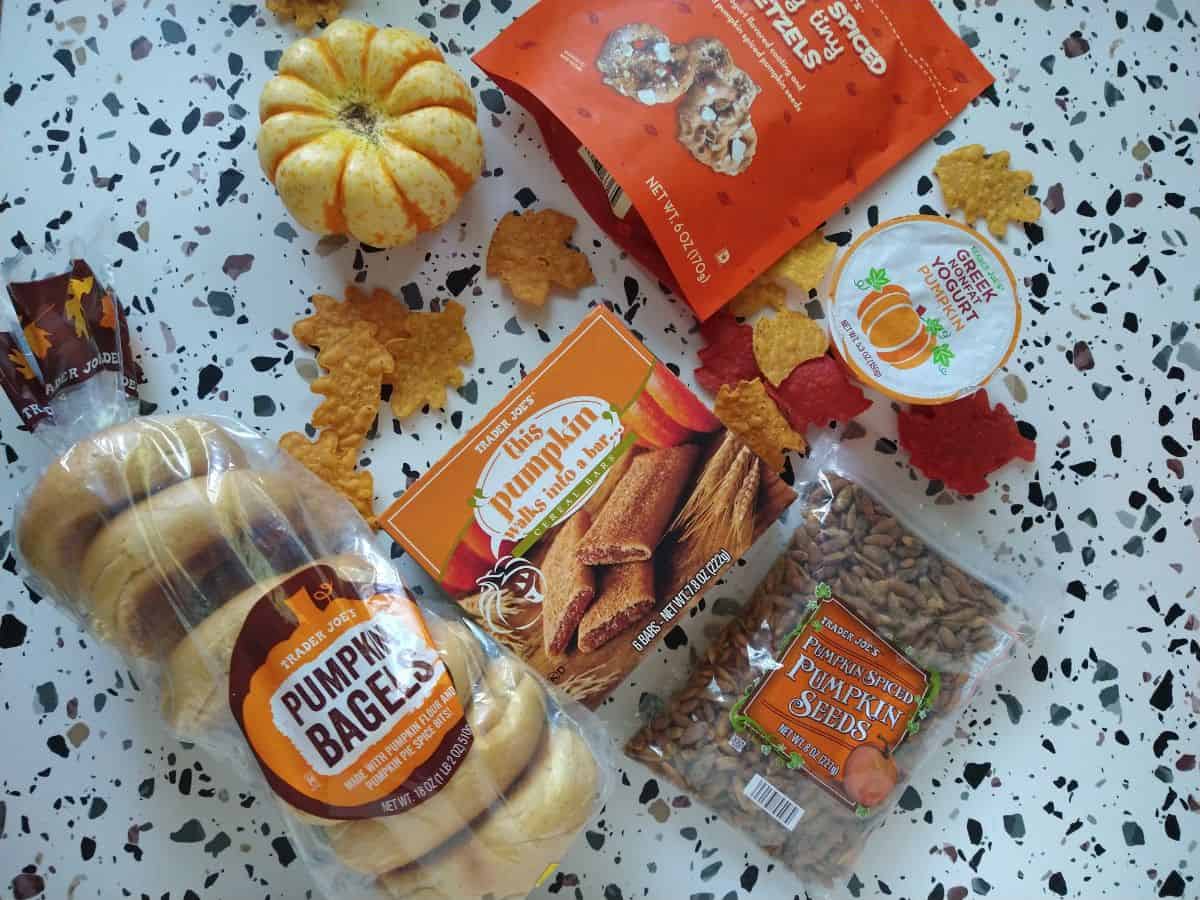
(924, 309)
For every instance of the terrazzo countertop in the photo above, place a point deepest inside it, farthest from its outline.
(1074, 775)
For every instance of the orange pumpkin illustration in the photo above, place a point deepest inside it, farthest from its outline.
(890, 323)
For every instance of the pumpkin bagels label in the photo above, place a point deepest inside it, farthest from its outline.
(343, 698)
(838, 704)
(924, 309)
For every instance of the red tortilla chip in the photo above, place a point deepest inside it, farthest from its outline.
(728, 357)
(818, 392)
(959, 443)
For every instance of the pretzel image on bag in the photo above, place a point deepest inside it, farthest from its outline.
(406, 747)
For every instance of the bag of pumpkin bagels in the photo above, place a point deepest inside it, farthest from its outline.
(410, 754)
(708, 138)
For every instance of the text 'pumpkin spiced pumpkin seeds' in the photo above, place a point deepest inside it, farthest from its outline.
(709, 138)
(368, 132)
(923, 309)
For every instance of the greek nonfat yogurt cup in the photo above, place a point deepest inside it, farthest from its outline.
(924, 309)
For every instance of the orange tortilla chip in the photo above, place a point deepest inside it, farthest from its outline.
(387, 313)
(307, 13)
(784, 341)
(529, 254)
(428, 359)
(356, 363)
(750, 413)
(758, 294)
(335, 467)
(984, 187)
(805, 264)
(333, 317)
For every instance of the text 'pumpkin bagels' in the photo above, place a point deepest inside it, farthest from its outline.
(367, 132)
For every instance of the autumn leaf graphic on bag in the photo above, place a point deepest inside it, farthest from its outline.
(39, 339)
(108, 312)
(77, 289)
(17, 358)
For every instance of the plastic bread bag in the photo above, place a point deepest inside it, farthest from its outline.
(844, 673)
(412, 756)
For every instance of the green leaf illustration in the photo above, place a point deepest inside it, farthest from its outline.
(934, 326)
(823, 591)
(942, 355)
(876, 280)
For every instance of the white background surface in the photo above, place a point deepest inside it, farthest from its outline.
(1069, 735)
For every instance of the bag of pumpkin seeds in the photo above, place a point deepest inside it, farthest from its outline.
(847, 667)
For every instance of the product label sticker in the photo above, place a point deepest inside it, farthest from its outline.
(584, 515)
(924, 309)
(838, 704)
(343, 698)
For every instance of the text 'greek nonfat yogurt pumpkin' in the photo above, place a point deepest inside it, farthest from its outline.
(924, 309)
(367, 132)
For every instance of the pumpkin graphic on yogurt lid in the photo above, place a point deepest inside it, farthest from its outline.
(895, 329)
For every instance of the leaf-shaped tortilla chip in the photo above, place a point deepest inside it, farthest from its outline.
(984, 187)
(335, 467)
(749, 412)
(529, 253)
(357, 364)
(805, 264)
(428, 360)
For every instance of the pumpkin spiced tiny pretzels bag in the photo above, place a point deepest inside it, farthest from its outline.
(708, 137)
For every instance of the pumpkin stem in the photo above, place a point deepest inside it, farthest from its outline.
(360, 118)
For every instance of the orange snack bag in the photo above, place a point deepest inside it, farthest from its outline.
(708, 138)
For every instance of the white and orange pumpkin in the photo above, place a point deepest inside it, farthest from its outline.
(368, 132)
(893, 327)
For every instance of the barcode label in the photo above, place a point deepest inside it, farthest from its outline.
(774, 802)
(617, 198)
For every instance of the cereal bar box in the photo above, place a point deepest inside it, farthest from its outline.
(583, 516)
